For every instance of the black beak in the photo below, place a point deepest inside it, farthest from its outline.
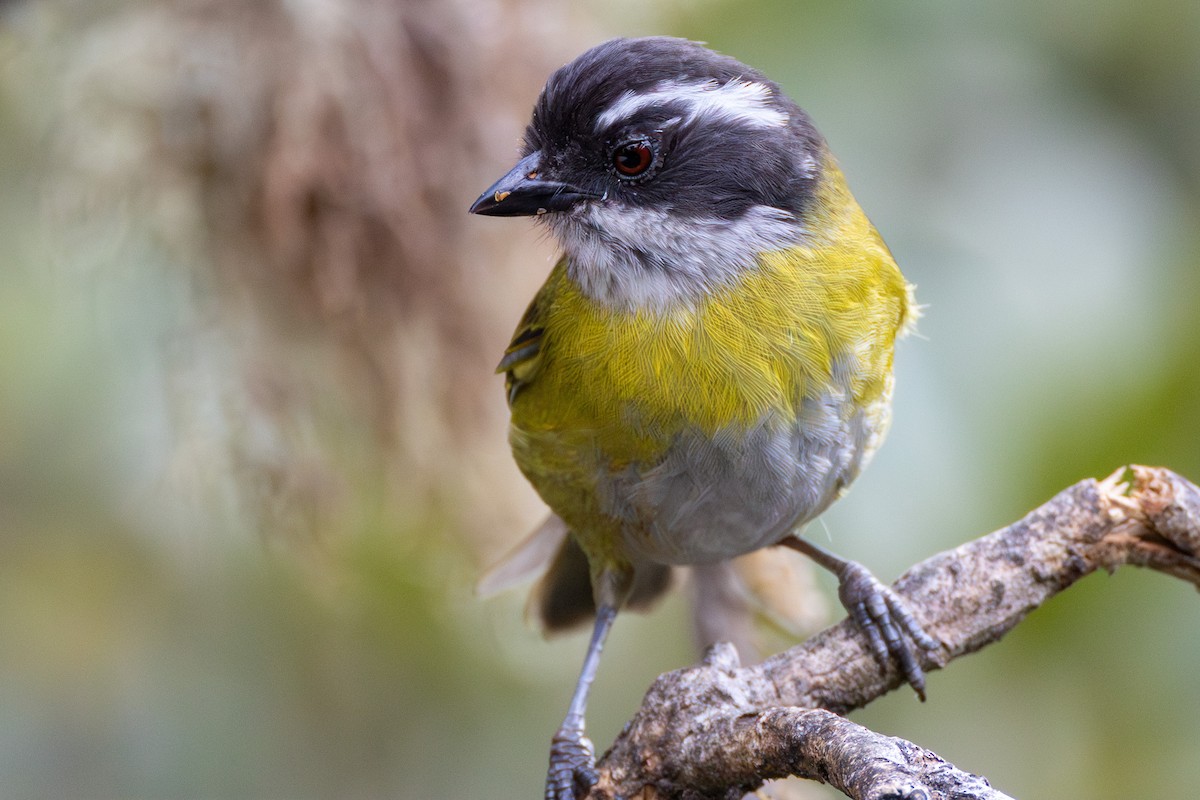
(521, 194)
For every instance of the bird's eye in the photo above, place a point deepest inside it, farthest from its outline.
(632, 159)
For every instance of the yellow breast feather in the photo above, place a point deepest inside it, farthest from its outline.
(762, 344)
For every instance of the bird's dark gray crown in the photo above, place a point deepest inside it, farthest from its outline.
(713, 164)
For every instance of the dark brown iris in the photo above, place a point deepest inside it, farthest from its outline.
(633, 158)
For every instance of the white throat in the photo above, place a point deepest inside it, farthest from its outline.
(646, 259)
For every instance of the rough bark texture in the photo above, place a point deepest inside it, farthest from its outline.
(719, 730)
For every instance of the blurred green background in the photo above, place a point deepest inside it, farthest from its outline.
(226, 574)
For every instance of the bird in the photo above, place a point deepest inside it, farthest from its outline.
(709, 364)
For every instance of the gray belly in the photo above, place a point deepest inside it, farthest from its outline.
(713, 498)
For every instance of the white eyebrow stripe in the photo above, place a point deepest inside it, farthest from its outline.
(737, 101)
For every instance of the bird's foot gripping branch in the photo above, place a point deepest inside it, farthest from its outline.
(719, 729)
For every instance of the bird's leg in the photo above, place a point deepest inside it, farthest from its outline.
(877, 610)
(572, 760)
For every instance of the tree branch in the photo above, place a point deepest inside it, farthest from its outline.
(719, 730)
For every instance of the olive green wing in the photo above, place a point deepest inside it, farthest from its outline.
(523, 356)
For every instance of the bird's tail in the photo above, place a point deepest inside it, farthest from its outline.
(563, 599)
(774, 584)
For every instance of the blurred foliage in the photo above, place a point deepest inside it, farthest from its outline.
(221, 580)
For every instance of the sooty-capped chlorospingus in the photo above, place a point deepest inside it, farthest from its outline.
(709, 364)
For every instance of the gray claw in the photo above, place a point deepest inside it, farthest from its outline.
(886, 621)
(572, 766)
